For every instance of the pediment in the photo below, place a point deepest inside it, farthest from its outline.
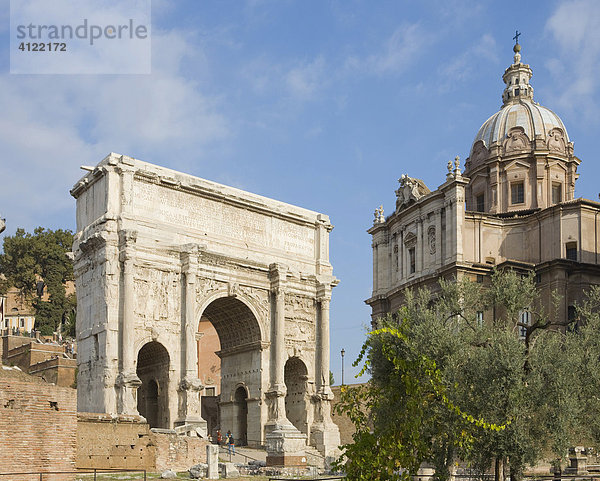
(557, 163)
(517, 164)
(410, 239)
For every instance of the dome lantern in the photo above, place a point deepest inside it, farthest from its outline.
(517, 77)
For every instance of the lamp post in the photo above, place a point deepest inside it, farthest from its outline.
(342, 353)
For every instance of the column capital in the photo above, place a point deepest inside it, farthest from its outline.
(323, 292)
(189, 250)
(190, 384)
(278, 271)
(128, 237)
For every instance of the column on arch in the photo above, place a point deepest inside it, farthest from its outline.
(127, 381)
(189, 386)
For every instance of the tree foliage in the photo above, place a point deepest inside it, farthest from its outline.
(446, 386)
(40, 257)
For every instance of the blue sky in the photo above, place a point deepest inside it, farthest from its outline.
(323, 104)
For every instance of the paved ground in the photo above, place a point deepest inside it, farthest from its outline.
(243, 455)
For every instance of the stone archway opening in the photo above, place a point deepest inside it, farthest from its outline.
(229, 361)
(241, 415)
(153, 395)
(296, 409)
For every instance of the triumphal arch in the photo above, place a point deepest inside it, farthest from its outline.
(157, 253)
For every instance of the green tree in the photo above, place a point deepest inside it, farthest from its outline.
(446, 386)
(29, 259)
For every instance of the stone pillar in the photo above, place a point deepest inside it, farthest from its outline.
(419, 247)
(325, 435)
(285, 444)
(375, 268)
(127, 380)
(324, 298)
(449, 230)
(212, 460)
(438, 238)
(277, 389)
(190, 386)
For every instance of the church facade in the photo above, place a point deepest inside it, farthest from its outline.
(513, 205)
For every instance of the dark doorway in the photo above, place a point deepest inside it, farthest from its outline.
(153, 394)
(296, 376)
(241, 416)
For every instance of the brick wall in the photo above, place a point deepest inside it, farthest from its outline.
(10, 342)
(343, 422)
(104, 441)
(178, 453)
(57, 370)
(38, 424)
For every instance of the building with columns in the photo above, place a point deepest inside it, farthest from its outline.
(158, 256)
(513, 205)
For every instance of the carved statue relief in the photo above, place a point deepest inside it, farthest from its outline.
(259, 296)
(206, 286)
(480, 153)
(299, 330)
(516, 140)
(431, 239)
(410, 190)
(156, 294)
(556, 141)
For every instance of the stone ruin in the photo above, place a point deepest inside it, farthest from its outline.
(157, 251)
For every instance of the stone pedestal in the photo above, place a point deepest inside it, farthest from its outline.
(578, 461)
(325, 435)
(127, 385)
(189, 405)
(212, 459)
(286, 446)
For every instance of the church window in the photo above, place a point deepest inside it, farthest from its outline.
(480, 318)
(517, 92)
(517, 193)
(517, 81)
(556, 193)
(22, 322)
(571, 251)
(412, 260)
(480, 278)
(525, 320)
(479, 200)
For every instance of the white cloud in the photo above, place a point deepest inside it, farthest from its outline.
(399, 50)
(305, 80)
(394, 55)
(575, 27)
(463, 66)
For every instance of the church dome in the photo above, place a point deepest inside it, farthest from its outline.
(532, 117)
(519, 110)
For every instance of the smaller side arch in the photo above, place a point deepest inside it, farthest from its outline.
(152, 368)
